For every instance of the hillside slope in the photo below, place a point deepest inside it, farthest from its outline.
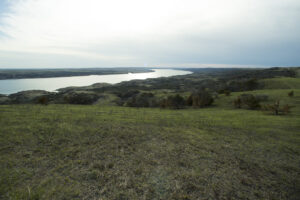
(104, 152)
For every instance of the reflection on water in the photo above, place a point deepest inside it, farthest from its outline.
(51, 84)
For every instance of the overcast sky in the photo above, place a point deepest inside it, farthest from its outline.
(175, 33)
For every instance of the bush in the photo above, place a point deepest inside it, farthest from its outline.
(142, 100)
(81, 98)
(286, 109)
(215, 95)
(237, 102)
(251, 84)
(248, 100)
(227, 92)
(276, 109)
(200, 99)
(43, 100)
(224, 91)
(262, 97)
(174, 101)
(128, 94)
(291, 93)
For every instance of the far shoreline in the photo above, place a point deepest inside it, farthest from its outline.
(51, 84)
(16, 74)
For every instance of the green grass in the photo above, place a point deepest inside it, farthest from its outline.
(281, 83)
(109, 152)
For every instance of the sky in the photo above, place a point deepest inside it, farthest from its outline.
(149, 33)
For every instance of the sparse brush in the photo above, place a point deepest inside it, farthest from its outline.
(276, 109)
(173, 101)
(237, 102)
(227, 92)
(250, 101)
(43, 100)
(200, 99)
(291, 93)
(286, 109)
(273, 107)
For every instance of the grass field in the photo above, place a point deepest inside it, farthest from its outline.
(110, 152)
(281, 83)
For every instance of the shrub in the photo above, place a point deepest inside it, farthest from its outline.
(286, 109)
(251, 84)
(227, 92)
(262, 97)
(237, 102)
(276, 109)
(221, 91)
(200, 99)
(291, 93)
(43, 100)
(81, 98)
(128, 94)
(242, 85)
(163, 103)
(249, 100)
(224, 91)
(215, 95)
(174, 101)
(142, 100)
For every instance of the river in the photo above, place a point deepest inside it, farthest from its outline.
(52, 84)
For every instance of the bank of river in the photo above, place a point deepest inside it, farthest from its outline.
(52, 84)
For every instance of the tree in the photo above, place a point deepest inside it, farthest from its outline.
(173, 101)
(251, 84)
(237, 102)
(81, 98)
(227, 92)
(276, 109)
(249, 100)
(200, 99)
(142, 100)
(43, 100)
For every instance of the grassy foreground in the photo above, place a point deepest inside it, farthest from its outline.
(102, 152)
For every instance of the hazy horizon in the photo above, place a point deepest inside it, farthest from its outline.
(137, 33)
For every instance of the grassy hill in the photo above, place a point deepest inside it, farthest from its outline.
(281, 83)
(110, 152)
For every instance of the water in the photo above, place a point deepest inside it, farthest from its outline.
(52, 84)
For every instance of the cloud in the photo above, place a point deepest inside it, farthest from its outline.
(97, 33)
